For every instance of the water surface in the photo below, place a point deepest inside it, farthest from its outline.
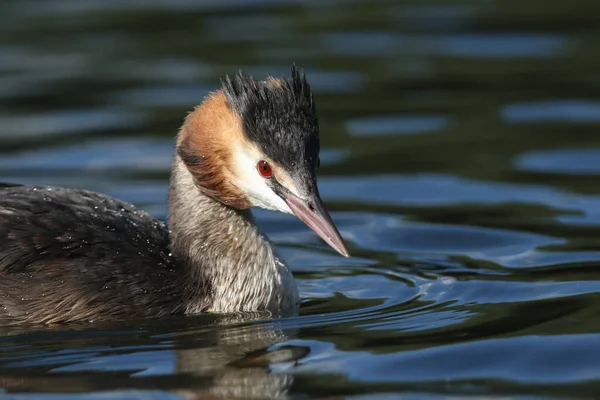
(461, 162)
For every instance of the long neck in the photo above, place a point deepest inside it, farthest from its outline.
(229, 264)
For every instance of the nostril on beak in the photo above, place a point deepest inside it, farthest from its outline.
(311, 207)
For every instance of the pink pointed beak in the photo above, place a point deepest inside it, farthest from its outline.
(313, 213)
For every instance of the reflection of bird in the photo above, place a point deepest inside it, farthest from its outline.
(239, 363)
(228, 357)
(69, 255)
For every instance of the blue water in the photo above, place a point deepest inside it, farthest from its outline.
(460, 160)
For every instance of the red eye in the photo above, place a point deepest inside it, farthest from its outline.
(264, 169)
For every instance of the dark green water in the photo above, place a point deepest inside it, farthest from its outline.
(461, 162)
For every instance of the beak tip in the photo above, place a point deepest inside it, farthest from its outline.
(317, 218)
(342, 250)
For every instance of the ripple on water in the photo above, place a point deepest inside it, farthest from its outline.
(69, 122)
(248, 28)
(557, 110)
(154, 362)
(435, 17)
(430, 190)
(25, 72)
(561, 161)
(25, 60)
(508, 45)
(80, 8)
(331, 156)
(392, 125)
(390, 233)
(124, 154)
(173, 70)
(511, 359)
(184, 95)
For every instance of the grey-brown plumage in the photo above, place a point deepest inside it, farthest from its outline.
(74, 255)
(68, 255)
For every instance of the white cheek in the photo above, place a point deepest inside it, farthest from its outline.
(254, 185)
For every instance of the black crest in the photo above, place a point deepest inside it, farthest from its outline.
(278, 114)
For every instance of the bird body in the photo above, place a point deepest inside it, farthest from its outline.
(74, 255)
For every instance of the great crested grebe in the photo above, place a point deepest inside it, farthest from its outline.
(75, 255)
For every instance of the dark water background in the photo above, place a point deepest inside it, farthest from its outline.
(461, 161)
